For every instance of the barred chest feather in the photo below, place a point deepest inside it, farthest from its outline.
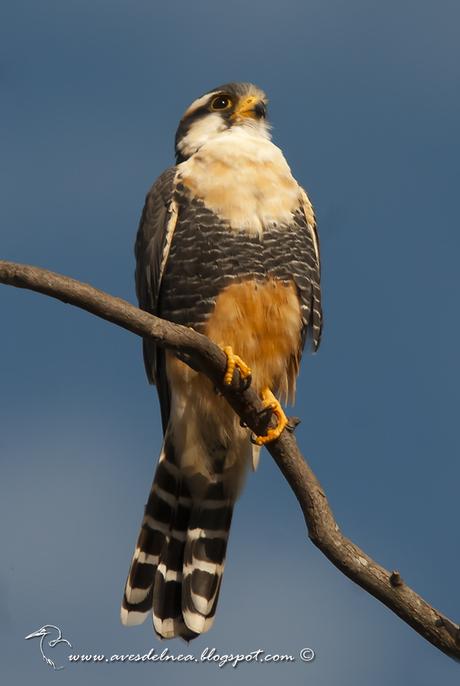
(242, 255)
(244, 179)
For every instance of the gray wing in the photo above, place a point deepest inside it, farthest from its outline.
(153, 241)
(312, 313)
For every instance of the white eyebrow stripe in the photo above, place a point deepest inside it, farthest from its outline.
(199, 102)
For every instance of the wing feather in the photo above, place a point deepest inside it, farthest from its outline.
(153, 241)
(315, 313)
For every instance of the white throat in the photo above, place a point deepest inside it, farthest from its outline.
(243, 178)
(204, 130)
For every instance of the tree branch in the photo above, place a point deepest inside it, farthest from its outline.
(203, 355)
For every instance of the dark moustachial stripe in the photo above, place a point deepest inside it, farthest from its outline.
(234, 91)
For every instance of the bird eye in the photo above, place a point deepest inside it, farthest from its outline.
(221, 102)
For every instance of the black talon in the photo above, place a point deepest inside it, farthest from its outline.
(265, 415)
(245, 383)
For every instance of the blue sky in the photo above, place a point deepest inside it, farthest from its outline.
(365, 103)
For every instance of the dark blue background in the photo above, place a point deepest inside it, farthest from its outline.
(365, 105)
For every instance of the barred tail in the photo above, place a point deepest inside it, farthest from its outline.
(204, 557)
(177, 567)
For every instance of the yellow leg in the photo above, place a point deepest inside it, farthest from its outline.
(271, 402)
(232, 362)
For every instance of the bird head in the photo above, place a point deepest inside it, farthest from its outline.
(43, 631)
(46, 630)
(222, 108)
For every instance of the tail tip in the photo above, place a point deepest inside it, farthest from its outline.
(131, 617)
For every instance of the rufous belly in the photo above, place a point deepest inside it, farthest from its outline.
(261, 321)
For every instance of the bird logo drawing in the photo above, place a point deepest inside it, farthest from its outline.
(44, 633)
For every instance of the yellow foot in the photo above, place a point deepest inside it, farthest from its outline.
(272, 403)
(232, 362)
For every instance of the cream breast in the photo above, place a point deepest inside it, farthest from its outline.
(243, 178)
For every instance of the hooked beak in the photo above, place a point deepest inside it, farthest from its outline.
(250, 108)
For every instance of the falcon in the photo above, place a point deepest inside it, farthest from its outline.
(227, 245)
